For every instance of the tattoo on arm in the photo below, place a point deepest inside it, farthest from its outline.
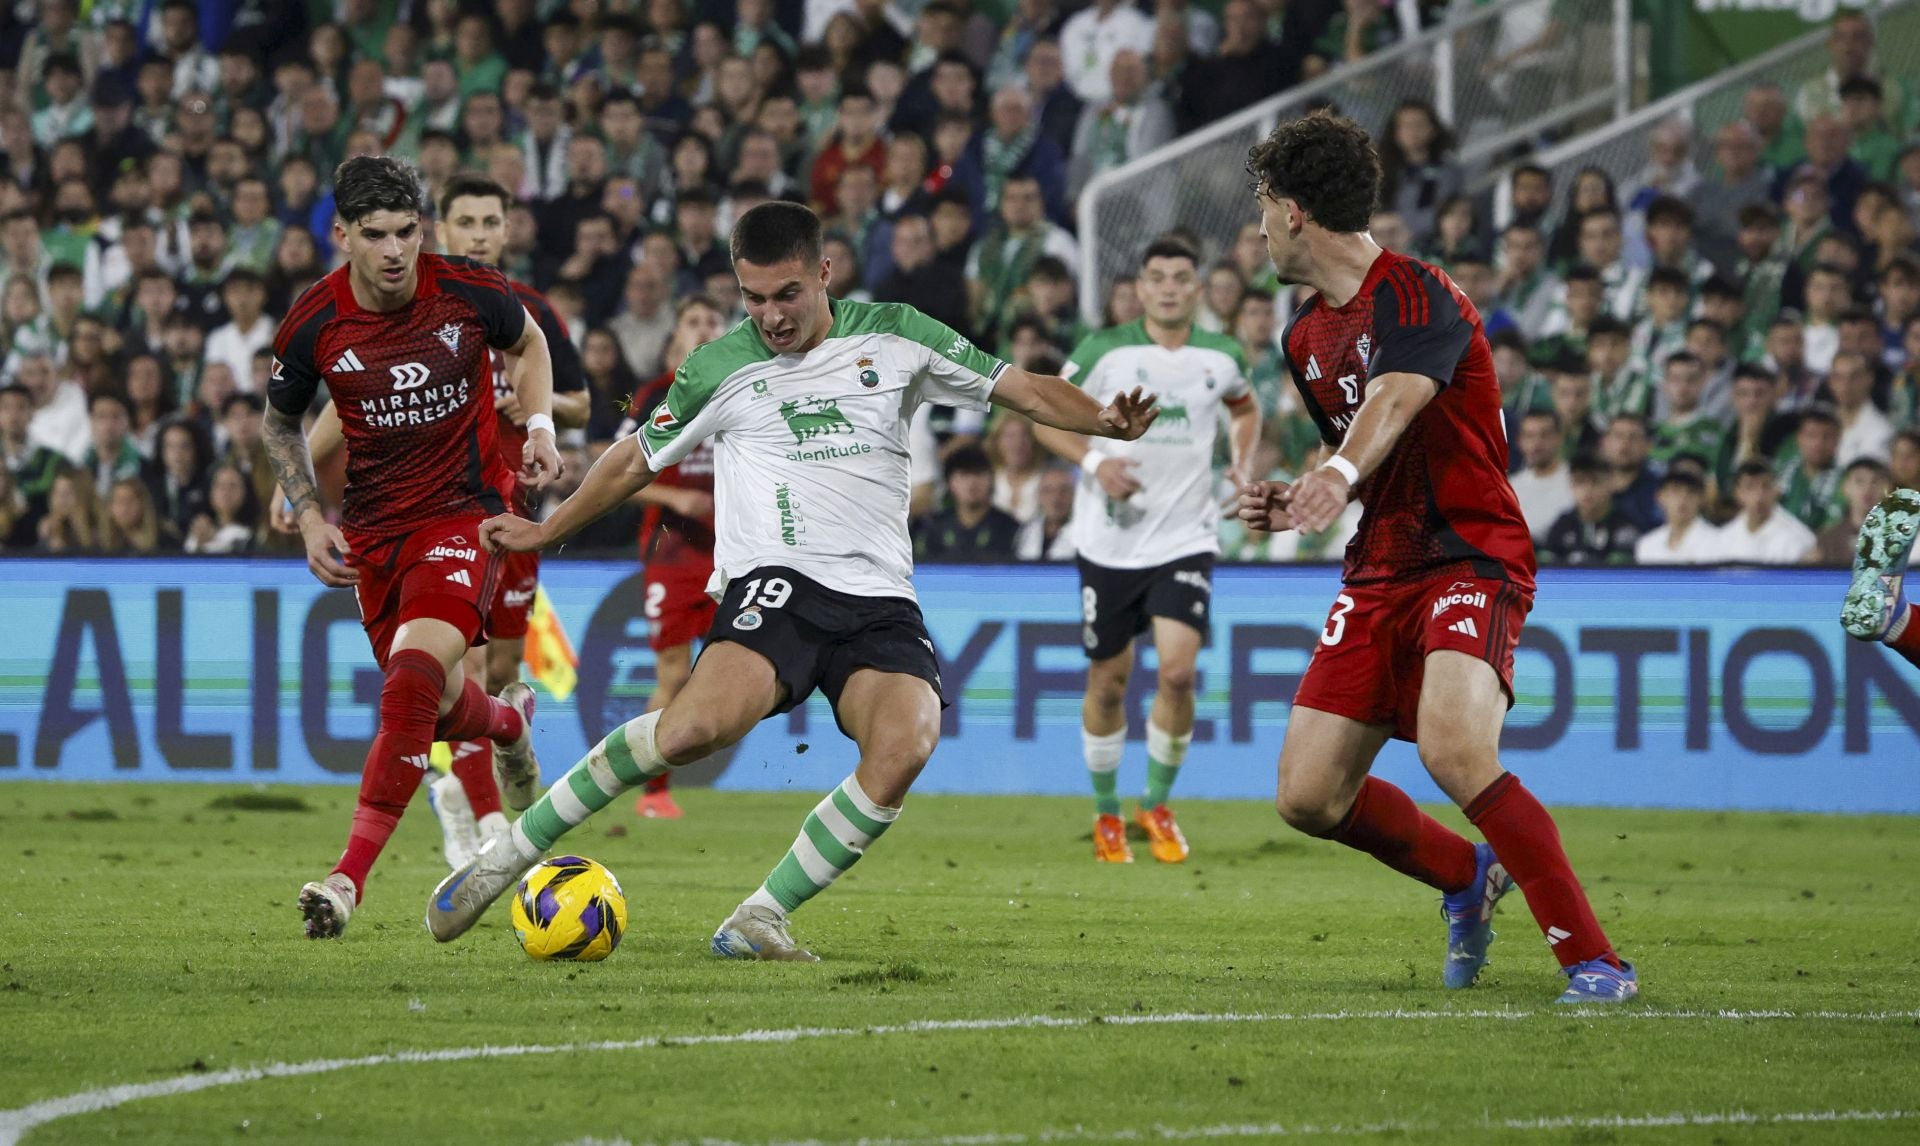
(292, 464)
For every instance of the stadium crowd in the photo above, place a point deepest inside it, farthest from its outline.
(1715, 360)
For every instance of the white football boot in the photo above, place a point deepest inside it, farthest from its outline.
(516, 767)
(458, 837)
(758, 933)
(464, 896)
(327, 904)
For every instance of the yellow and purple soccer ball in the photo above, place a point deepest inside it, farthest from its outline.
(569, 908)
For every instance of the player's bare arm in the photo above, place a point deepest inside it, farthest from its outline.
(1243, 433)
(1065, 416)
(531, 374)
(1056, 402)
(571, 408)
(620, 473)
(293, 468)
(1392, 402)
(323, 440)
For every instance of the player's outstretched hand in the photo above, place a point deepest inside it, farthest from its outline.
(1263, 507)
(1129, 415)
(1318, 499)
(510, 534)
(1115, 475)
(539, 461)
(323, 540)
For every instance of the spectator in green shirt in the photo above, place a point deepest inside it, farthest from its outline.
(1523, 390)
(480, 67)
(1762, 267)
(1862, 104)
(1622, 382)
(1687, 428)
(1566, 328)
(1573, 401)
(1809, 474)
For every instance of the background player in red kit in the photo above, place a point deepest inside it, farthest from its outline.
(676, 540)
(473, 225)
(401, 339)
(1391, 361)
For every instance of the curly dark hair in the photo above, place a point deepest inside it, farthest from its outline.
(369, 183)
(1326, 163)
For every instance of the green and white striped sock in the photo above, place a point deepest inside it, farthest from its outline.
(626, 759)
(1165, 753)
(835, 835)
(1102, 754)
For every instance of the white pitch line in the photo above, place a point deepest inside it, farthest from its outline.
(16, 1122)
(1160, 1133)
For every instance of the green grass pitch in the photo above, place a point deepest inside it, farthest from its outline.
(148, 935)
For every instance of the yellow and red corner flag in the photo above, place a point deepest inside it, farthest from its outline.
(549, 654)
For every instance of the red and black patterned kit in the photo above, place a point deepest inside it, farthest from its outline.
(1442, 558)
(414, 389)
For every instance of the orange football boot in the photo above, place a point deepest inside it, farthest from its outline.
(1110, 840)
(657, 806)
(1163, 835)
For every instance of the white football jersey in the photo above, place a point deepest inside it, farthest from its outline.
(811, 459)
(1174, 514)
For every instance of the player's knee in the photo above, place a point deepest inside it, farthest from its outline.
(1107, 685)
(1178, 679)
(1313, 813)
(1453, 763)
(683, 737)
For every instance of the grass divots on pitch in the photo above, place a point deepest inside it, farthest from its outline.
(19, 1121)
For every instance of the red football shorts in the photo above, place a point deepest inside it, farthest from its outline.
(1372, 655)
(439, 571)
(512, 605)
(678, 609)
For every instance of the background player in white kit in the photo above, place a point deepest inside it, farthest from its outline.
(1147, 529)
(808, 403)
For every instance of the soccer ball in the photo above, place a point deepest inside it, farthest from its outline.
(569, 908)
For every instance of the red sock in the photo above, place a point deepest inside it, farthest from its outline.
(477, 716)
(1523, 835)
(657, 784)
(473, 767)
(397, 761)
(1386, 824)
(1907, 644)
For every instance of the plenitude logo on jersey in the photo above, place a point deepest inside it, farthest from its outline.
(810, 419)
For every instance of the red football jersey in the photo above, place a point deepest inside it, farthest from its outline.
(567, 376)
(667, 537)
(414, 389)
(1441, 503)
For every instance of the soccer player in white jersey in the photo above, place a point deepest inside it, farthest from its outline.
(808, 403)
(1146, 526)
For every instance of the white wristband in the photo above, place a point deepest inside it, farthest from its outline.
(1090, 461)
(1344, 468)
(540, 422)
